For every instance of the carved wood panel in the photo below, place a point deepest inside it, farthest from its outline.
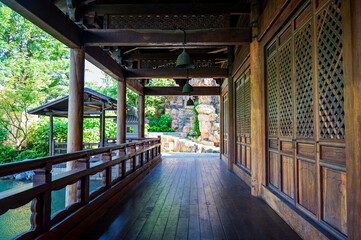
(305, 87)
(330, 72)
(285, 91)
(272, 92)
(304, 82)
(243, 120)
(167, 22)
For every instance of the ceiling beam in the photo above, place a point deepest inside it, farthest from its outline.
(177, 91)
(175, 73)
(141, 37)
(48, 17)
(159, 9)
(172, 56)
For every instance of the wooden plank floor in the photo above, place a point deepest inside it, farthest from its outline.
(190, 198)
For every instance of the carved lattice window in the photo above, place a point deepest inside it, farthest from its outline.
(272, 96)
(304, 82)
(247, 106)
(285, 87)
(330, 72)
(238, 108)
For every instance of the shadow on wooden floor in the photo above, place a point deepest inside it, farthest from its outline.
(190, 198)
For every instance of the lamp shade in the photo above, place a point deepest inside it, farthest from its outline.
(184, 60)
(190, 102)
(187, 88)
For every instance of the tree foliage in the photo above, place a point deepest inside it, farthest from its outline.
(33, 69)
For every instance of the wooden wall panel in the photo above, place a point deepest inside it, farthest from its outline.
(334, 198)
(274, 169)
(305, 112)
(307, 185)
(287, 176)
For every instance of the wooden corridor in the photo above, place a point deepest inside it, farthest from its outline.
(190, 198)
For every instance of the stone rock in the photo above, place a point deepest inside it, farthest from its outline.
(187, 129)
(207, 143)
(213, 117)
(205, 109)
(203, 117)
(205, 126)
(175, 124)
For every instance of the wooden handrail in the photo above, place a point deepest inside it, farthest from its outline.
(27, 165)
(44, 182)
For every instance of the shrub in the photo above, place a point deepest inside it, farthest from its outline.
(7, 154)
(196, 130)
(162, 124)
(28, 154)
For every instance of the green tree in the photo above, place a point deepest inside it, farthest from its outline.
(33, 69)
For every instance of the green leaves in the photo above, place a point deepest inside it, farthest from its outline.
(162, 124)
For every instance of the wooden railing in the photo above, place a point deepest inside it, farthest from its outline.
(141, 156)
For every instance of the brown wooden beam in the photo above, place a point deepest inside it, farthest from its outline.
(157, 9)
(177, 91)
(140, 37)
(175, 73)
(173, 56)
(48, 17)
(105, 62)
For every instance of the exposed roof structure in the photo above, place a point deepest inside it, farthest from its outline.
(93, 103)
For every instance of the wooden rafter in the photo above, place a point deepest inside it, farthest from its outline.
(139, 37)
(175, 73)
(177, 91)
(150, 9)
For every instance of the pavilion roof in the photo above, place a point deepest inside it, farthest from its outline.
(93, 101)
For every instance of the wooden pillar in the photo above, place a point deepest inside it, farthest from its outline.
(102, 127)
(257, 106)
(351, 28)
(121, 112)
(141, 116)
(231, 122)
(51, 134)
(75, 114)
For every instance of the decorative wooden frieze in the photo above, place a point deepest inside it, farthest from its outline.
(156, 64)
(167, 22)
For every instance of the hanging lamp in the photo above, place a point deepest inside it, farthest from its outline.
(184, 60)
(190, 102)
(187, 88)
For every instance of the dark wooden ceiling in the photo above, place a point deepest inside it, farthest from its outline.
(148, 34)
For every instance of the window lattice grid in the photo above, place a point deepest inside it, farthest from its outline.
(247, 105)
(272, 96)
(285, 87)
(304, 82)
(330, 72)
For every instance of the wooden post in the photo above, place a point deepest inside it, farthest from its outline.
(351, 28)
(231, 122)
(121, 113)
(75, 114)
(141, 116)
(102, 127)
(51, 134)
(257, 106)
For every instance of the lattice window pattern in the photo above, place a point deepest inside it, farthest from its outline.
(238, 108)
(247, 105)
(285, 87)
(156, 64)
(272, 96)
(169, 22)
(304, 82)
(330, 72)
